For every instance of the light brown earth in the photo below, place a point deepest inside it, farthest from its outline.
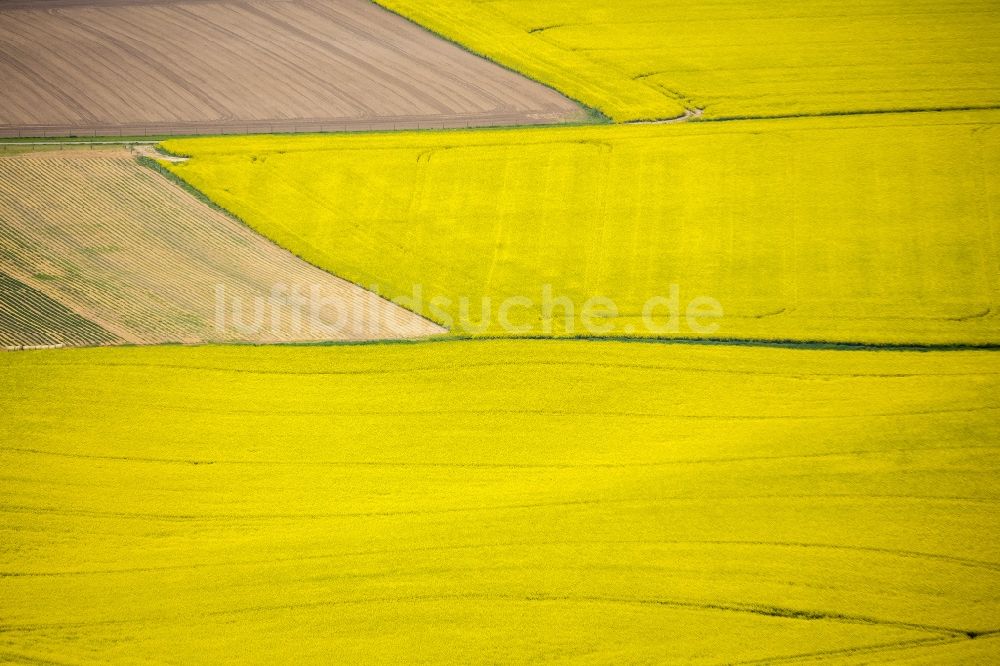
(134, 67)
(111, 251)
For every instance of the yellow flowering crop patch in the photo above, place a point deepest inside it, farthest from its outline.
(834, 229)
(642, 59)
(503, 500)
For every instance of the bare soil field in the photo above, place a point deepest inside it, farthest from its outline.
(109, 67)
(96, 248)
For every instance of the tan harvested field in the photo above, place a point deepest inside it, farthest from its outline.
(70, 67)
(97, 237)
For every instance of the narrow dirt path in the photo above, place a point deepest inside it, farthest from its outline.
(689, 114)
(152, 152)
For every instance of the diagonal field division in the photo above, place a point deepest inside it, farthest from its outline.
(93, 236)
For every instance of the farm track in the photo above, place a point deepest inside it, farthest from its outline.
(697, 114)
(392, 123)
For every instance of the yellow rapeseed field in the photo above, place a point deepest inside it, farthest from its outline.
(756, 499)
(454, 502)
(852, 229)
(645, 59)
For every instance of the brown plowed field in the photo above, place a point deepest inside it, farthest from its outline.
(107, 67)
(96, 248)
